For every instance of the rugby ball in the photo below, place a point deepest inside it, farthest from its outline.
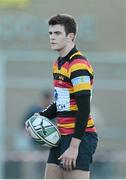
(42, 130)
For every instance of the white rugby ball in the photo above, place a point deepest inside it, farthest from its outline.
(42, 130)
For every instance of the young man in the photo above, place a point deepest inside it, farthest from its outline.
(73, 81)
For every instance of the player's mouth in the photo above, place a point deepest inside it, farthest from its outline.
(53, 43)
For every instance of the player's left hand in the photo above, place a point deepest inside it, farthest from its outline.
(68, 158)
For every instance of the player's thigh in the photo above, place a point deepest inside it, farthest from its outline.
(53, 171)
(76, 174)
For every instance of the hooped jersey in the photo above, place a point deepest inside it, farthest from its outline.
(73, 76)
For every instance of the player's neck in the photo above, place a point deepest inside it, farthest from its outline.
(66, 49)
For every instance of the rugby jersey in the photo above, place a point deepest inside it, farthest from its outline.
(73, 76)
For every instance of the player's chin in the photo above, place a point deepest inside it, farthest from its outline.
(54, 47)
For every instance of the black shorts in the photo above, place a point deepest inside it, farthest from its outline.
(86, 150)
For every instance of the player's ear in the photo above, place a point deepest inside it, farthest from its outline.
(71, 36)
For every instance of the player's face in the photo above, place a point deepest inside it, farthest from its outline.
(58, 37)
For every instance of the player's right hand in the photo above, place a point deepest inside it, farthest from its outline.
(27, 128)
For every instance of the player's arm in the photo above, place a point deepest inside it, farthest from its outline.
(83, 104)
(50, 112)
(81, 77)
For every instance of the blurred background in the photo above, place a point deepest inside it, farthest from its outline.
(26, 80)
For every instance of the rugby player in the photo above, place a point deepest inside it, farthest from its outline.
(73, 81)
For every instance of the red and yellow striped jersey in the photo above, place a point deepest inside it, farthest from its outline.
(73, 75)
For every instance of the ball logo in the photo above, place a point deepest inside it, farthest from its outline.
(39, 126)
(43, 128)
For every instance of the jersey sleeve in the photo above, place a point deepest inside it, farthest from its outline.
(81, 75)
(49, 112)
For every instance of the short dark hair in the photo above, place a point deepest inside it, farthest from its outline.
(66, 20)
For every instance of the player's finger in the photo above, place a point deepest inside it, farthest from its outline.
(26, 125)
(66, 164)
(74, 163)
(70, 164)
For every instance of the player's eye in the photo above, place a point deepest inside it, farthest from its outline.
(58, 33)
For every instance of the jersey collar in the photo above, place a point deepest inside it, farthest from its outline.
(62, 60)
(74, 50)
